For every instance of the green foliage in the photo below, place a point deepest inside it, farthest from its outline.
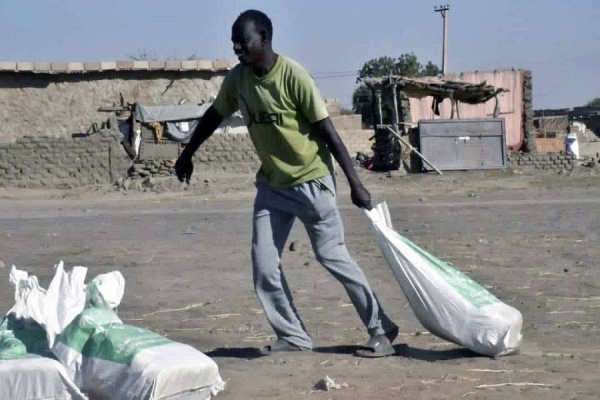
(362, 104)
(594, 103)
(149, 55)
(405, 64)
(143, 55)
(430, 69)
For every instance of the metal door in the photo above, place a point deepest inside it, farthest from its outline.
(463, 144)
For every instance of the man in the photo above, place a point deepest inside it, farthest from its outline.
(294, 138)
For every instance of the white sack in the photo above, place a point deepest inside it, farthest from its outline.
(448, 303)
(37, 378)
(572, 145)
(28, 369)
(109, 359)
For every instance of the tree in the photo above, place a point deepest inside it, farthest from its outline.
(430, 69)
(405, 64)
(143, 55)
(594, 103)
(149, 55)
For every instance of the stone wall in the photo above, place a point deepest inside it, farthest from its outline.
(34, 161)
(60, 99)
(547, 162)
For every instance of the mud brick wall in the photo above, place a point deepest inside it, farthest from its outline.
(59, 99)
(34, 161)
(357, 140)
(227, 152)
(221, 152)
(546, 162)
(235, 153)
(222, 149)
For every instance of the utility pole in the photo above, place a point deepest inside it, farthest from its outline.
(444, 10)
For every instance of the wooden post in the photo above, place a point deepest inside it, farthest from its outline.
(374, 107)
(497, 107)
(379, 107)
(403, 111)
(395, 110)
(395, 117)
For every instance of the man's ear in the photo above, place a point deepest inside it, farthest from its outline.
(264, 38)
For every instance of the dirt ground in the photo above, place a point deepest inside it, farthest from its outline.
(531, 239)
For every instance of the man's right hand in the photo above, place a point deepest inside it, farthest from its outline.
(184, 168)
(361, 197)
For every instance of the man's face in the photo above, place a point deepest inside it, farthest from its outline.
(248, 44)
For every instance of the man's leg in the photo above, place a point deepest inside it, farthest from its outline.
(324, 226)
(271, 228)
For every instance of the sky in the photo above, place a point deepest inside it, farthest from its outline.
(558, 40)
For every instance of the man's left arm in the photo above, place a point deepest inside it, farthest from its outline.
(311, 104)
(359, 194)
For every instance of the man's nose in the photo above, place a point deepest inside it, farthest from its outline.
(236, 46)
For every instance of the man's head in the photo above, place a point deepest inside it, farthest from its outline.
(251, 35)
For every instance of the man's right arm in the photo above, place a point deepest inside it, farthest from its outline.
(209, 122)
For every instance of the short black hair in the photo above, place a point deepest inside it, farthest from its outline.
(260, 19)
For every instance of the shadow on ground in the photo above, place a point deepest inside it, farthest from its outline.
(247, 353)
(405, 351)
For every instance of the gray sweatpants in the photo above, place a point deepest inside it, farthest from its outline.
(314, 204)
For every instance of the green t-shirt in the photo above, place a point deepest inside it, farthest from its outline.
(279, 109)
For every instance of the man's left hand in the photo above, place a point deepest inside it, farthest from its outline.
(361, 197)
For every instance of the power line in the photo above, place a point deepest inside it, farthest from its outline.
(334, 77)
(321, 76)
(354, 71)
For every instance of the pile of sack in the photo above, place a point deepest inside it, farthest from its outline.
(67, 342)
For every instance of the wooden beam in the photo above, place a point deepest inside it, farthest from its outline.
(113, 109)
(407, 144)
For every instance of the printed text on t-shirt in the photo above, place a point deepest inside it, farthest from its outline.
(266, 118)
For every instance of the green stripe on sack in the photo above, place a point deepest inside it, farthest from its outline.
(22, 339)
(87, 324)
(98, 333)
(114, 342)
(11, 348)
(121, 343)
(470, 290)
